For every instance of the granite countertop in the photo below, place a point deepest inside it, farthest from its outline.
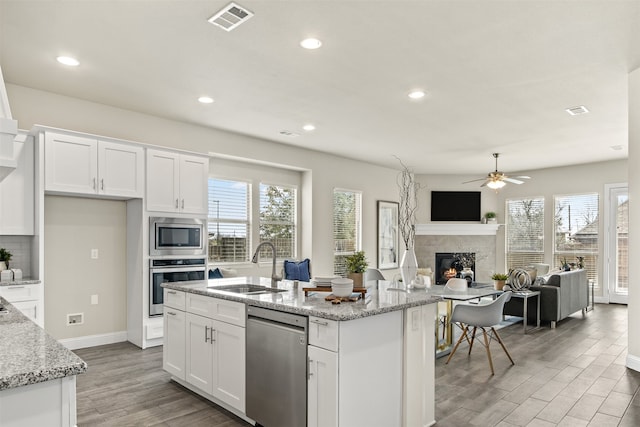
(20, 282)
(381, 298)
(29, 355)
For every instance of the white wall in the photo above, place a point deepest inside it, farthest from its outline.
(323, 172)
(633, 358)
(72, 227)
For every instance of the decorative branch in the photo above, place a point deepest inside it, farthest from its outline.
(408, 204)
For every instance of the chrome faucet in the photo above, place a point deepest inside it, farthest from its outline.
(274, 276)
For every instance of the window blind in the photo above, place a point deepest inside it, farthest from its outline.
(525, 232)
(347, 219)
(278, 220)
(229, 220)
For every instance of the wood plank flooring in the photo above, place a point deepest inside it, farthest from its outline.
(573, 375)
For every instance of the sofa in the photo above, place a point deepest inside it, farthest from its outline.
(561, 294)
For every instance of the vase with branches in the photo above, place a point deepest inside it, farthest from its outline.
(408, 192)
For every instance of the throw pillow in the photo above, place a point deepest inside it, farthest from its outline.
(215, 274)
(294, 270)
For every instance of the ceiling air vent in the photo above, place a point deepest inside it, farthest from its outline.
(289, 133)
(574, 111)
(230, 17)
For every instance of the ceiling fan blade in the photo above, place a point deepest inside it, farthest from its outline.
(474, 180)
(521, 177)
(513, 181)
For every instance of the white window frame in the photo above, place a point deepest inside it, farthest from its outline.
(540, 253)
(337, 253)
(293, 223)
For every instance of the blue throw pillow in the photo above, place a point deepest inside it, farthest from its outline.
(297, 270)
(215, 274)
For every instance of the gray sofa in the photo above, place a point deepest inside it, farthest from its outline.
(561, 295)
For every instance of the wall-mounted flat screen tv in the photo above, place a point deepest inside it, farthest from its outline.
(455, 206)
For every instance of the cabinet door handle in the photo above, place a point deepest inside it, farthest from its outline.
(211, 331)
(172, 292)
(176, 203)
(15, 287)
(182, 203)
(171, 313)
(102, 184)
(206, 334)
(309, 363)
(318, 322)
(94, 183)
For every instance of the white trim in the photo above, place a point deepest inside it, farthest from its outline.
(433, 229)
(633, 362)
(94, 340)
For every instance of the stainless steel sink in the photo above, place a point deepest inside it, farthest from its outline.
(246, 289)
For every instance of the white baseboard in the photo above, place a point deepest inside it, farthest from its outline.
(94, 340)
(633, 362)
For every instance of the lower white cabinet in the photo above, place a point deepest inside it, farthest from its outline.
(322, 388)
(25, 298)
(174, 349)
(203, 351)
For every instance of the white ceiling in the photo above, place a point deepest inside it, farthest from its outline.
(499, 74)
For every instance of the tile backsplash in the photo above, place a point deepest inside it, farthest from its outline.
(20, 248)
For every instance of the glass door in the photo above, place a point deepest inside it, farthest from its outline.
(618, 244)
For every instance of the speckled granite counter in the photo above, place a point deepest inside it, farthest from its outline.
(28, 355)
(20, 282)
(380, 298)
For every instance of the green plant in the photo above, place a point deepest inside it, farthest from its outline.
(5, 256)
(490, 215)
(356, 263)
(500, 276)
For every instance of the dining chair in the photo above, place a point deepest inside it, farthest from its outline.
(457, 284)
(373, 274)
(485, 317)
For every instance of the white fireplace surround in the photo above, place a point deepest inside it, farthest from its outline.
(459, 229)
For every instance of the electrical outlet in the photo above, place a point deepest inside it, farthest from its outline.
(75, 319)
(94, 299)
(94, 254)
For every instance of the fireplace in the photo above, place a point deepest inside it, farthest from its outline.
(455, 264)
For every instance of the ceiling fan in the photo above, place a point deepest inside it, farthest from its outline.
(496, 180)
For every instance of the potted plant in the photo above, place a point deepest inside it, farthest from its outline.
(5, 257)
(356, 266)
(499, 280)
(491, 217)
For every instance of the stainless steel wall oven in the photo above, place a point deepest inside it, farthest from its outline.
(171, 270)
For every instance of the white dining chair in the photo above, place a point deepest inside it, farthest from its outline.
(484, 317)
(457, 284)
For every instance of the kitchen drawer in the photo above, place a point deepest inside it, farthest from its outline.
(16, 293)
(323, 333)
(174, 299)
(217, 309)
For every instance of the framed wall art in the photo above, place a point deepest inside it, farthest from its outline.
(387, 235)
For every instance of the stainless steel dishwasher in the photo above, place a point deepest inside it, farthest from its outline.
(276, 368)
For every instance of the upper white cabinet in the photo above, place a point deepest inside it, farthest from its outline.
(176, 182)
(17, 191)
(85, 165)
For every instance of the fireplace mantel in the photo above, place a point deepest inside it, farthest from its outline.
(452, 229)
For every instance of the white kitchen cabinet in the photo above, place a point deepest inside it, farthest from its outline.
(341, 364)
(78, 164)
(174, 349)
(322, 388)
(215, 353)
(25, 298)
(177, 182)
(17, 191)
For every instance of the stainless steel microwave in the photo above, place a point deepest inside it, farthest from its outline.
(176, 236)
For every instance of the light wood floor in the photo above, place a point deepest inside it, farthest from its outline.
(573, 375)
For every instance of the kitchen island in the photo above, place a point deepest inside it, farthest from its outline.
(37, 374)
(370, 362)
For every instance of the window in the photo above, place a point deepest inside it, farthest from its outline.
(576, 231)
(229, 222)
(346, 227)
(525, 232)
(278, 220)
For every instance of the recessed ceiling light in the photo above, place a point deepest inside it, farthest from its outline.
(416, 94)
(205, 100)
(310, 43)
(67, 60)
(574, 111)
(309, 127)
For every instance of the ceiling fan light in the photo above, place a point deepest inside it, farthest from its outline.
(496, 185)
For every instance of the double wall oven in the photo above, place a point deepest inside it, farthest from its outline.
(178, 253)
